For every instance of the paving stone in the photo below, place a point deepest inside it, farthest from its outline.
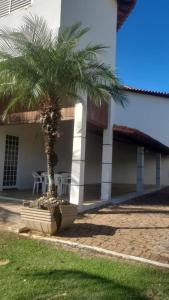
(139, 228)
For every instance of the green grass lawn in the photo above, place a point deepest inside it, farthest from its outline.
(41, 271)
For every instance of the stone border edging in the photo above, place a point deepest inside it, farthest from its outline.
(97, 250)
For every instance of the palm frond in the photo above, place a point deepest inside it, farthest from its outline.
(36, 30)
(72, 33)
(37, 65)
(11, 105)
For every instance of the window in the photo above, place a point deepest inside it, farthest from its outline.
(7, 6)
(11, 161)
(4, 7)
(16, 4)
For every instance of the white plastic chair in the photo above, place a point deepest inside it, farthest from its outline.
(65, 183)
(44, 182)
(58, 181)
(62, 182)
(37, 182)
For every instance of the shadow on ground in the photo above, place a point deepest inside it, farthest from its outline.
(91, 230)
(160, 198)
(129, 210)
(7, 215)
(92, 285)
(88, 230)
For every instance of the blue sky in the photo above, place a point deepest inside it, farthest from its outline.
(143, 46)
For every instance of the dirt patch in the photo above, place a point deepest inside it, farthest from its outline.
(4, 262)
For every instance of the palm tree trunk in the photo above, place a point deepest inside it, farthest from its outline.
(50, 154)
(49, 119)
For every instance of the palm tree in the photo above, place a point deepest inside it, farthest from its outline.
(44, 69)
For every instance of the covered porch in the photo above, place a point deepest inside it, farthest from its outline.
(105, 165)
(31, 157)
(22, 149)
(139, 160)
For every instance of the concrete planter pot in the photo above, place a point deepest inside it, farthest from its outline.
(43, 220)
(68, 215)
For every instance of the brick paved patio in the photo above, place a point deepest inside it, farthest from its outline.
(139, 228)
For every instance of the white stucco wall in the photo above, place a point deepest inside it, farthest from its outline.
(165, 170)
(63, 147)
(147, 113)
(48, 9)
(124, 167)
(125, 164)
(93, 159)
(31, 156)
(93, 153)
(100, 16)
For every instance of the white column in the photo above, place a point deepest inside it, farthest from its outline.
(140, 170)
(78, 155)
(158, 170)
(107, 155)
(106, 184)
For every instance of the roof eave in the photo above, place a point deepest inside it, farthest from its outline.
(140, 138)
(146, 92)
(124, 9)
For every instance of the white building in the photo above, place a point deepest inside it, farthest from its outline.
(100, 168)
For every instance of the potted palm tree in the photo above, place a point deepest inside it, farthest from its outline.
(42, 69)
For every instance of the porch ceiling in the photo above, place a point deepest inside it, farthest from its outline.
(30, 117)
(139, 138)
(96, 116)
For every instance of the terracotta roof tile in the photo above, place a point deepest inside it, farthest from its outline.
(139, 138)
(124, 9)
(146, 92)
